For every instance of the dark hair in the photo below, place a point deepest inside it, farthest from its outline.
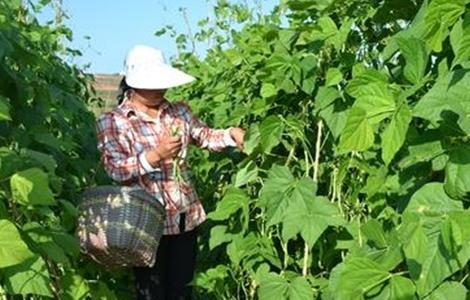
(123, 88)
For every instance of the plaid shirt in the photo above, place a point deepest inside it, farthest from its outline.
(126, 134)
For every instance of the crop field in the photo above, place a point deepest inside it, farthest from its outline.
(354, 182)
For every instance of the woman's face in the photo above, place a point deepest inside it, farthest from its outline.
(150, 96)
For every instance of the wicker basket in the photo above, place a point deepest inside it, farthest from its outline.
(120, 226)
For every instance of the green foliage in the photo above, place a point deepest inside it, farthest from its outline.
(47, 156)
(353, 183)
(354, 179)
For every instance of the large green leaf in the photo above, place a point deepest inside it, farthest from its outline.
(272, 195)
(415, 243)
(44, 240)
(431, 200)
(460, 40)
(457, 180)
(233, 200)
(448, 288)
(416, 56)
(248, 173)
(441, 14)
(268, 90)
(274, 286)
(374, 233)
(448, 96)
(31, 187)
(29, 277)
(399, 287)
(376, 100)
(395, 134)
(358, 134)
(219, 236)
(357, 276)
(309, 215)
(332, 109)
(75, 287)
(12, 248)
(402, 288)
(428, 259)
(270, 130)
(364, 78)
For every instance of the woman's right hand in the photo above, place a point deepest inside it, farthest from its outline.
(167, 148)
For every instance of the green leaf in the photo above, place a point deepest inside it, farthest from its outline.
(9, 162)
(44, 240)
(69, 243)
(268, 90)
(451, 236)
(12, 248)
(29, 277)
(233, 200)
(100, 291)
(4, 109)
(373, 231)
(395, 134)
(358, 134)
(414, 245)
(309, 215)
(364, 78)
(357, 276)
(218, 236)
(441, 14)
(443, 292)
(460, 41)
(270, 130)
(376, 100)
(243, 247)
(416, 56)
(448, 97)
(42, 159)
(75, 287)
(209, 279)
(272, 196)
(457, 178)
(333, 77)
(326, 96)
(252, 139)
(274, 286)
(432, 200)
(402, 288)
(248, 173)
(31, 187)
(429, 262)
(300, 289)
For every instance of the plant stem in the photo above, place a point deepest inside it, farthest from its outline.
(316, 167)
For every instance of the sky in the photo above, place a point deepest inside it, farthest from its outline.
(104, 30)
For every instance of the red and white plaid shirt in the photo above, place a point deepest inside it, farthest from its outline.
(125, 134)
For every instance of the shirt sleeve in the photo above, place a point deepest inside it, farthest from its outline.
(204, 136)
(114, 143)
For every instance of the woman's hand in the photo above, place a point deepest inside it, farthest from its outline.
(167, 148)
(238, 135)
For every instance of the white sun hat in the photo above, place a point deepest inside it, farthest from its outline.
(145, 68)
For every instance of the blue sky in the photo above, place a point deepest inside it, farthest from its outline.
(113, 27)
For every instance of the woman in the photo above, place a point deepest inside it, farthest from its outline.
(144, 141)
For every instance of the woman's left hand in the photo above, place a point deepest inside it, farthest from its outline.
(238, 136)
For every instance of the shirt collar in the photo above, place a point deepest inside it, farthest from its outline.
(128, 109)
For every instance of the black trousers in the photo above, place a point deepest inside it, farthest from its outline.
(173, 270)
